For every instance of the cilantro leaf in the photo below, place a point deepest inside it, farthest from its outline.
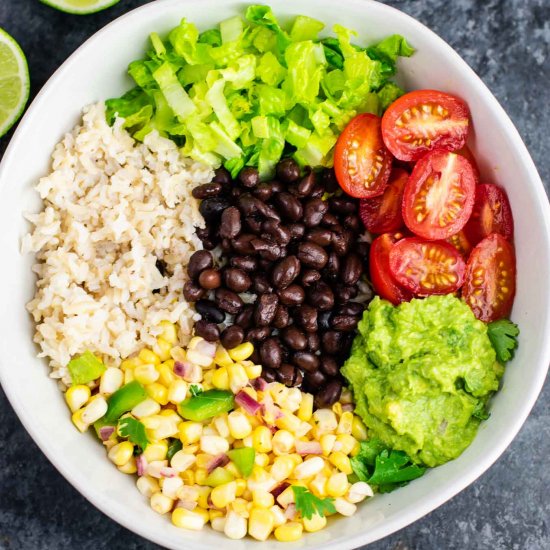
(308, 504)
(503, 335)
(174, 446)
(134, 430)
(195, 389)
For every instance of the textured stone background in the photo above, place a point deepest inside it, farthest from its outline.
(507, 42)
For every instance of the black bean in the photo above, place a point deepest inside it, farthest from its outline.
(352, 268)
(242, 244)
(210, 311)
(329, 365)
(246, 263)
(313, 341)
(320, 296)
(288, 375)
(310, 276)
(267, 212)
(289, 206)
(288, 170)
(312, 255)
(294, 338)
(331, 271)
(206, 330)
(207, 238)
(317, 192)
(260, 283)
(226, 246)
(279, 233)
(211, 209)
(249, 177)
(285, 271)
(266, 307)
(342, 205)
(253, 224)
(269, 375)
(292, 295)
(306, 317)
(362, 249)
(331, 342)
(228, 301)
(328, 179)
(232, 336)
(329, 220)
(236, 279)
(230, 225)
(263, 192)
(307, 183)
(314, 380)
(344, 293)
(324, 320)
(210, 279)
(266, 249)
(282, 318)
(245, 317)
(199, 261)
(306, 360)
(264, 265)
(297, 230)
(314, 210)
(344, 323)
(258, 334)
(351, 308)
(235, 192)
(319, 235)
(192, 291)
(277, 186)
(207, 190)
(329, 394)
(221, 175)
(352, 221)
(271, 353)
(342, 241)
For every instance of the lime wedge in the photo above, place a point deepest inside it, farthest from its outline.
(80, 7)
(14, 81)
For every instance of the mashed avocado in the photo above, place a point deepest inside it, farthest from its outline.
(421, 374)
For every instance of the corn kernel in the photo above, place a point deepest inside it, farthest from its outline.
(190, 432)
(347, 443)
(239, 426)
(129, 376)
(156, 451)
(279, 517)
(241, 486)
(148, 407)
(232, 469)
(169, 332)
(337, 485)
(341, 461)
(221, 425)
(222, 357)
(345, 424)
(222, 495)
(220, 378)
(346, 397)
(129, 468)
(166, 373)
(161, 503)
(188, 477)
(188, 493)
(318, 485)
(241, 352)
(146, 374)
(217, 523)
(77, 396)
(326, 420)
(121, 453)
(148, 356)
(147, 485)
(213, 514)
(260, 523)
(188, 519)
(237, 377)
(235, 526)
(358, 492)
(286, 497)
(171, 486)
(203, 460)
(165, 428)
(297, 459)
(204, 494)
(177, 392)
(344, 507)
(283, 442)
(203, 512)
(253, 371)
(241, 507)
(158, 393)
(293, 400)
(309, 467)
(337, 408)
(162, 349)
(261, 439)
(327, 443)
(358, 429)
(262, 499)
(94, 410)
(315, 523)
(282, 468)
(289, 422)
(200, 476)
(260, 479)
(305, 411)
(289, 532)
(213, 444)
(182, 461)
(207, 380)
(130, 364)
(262, 460)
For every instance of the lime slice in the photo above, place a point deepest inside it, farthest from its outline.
(14, 81)
(80, 7)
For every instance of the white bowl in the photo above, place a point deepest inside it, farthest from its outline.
(97, 71)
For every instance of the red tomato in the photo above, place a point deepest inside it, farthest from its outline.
(491, 214)
(379, 261)
(490, 281)
(461, 243)
(383, 213)
(361, 161)
(425, 120)
(439, 195)
(427, 267)
(467, 153)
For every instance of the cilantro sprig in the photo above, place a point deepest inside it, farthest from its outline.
(195, 389)
(134, 430)
(308, 504)
(504, 338)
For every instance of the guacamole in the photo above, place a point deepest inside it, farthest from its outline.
(421, 374)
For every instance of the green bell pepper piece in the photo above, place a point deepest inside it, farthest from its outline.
(206, 405)
(243, 458)
(124, 400)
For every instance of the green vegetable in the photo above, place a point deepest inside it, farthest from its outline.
(123, 401)
(134, 430)
(308, 504)
(378, 465)
(219, 476)
(206, 404)
(85, 368)
(504, 338)
(243, 459)
(174, 446)
(252, 90)
(421, 374)
(195, 389)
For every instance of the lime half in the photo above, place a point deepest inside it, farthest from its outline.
(80, 7)
(14, 82)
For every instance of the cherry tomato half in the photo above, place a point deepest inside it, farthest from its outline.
(490, 281)
(361, 161)
(379, 260)
(425, 120)
(491, 214)
(467, 154)
(439, 195)
(383, 213)
(461, 243)
(427, 267)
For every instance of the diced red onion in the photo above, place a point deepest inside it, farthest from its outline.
(206, 348)
(183, 369)
(308, 447)
(219, 461)
(259, 384)
(187, 504)
(106, 432)
(247, 402)
(269, 407)
(290, 511)
(279, 489)
(141, 465)
(168, 472)
(348, 407)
